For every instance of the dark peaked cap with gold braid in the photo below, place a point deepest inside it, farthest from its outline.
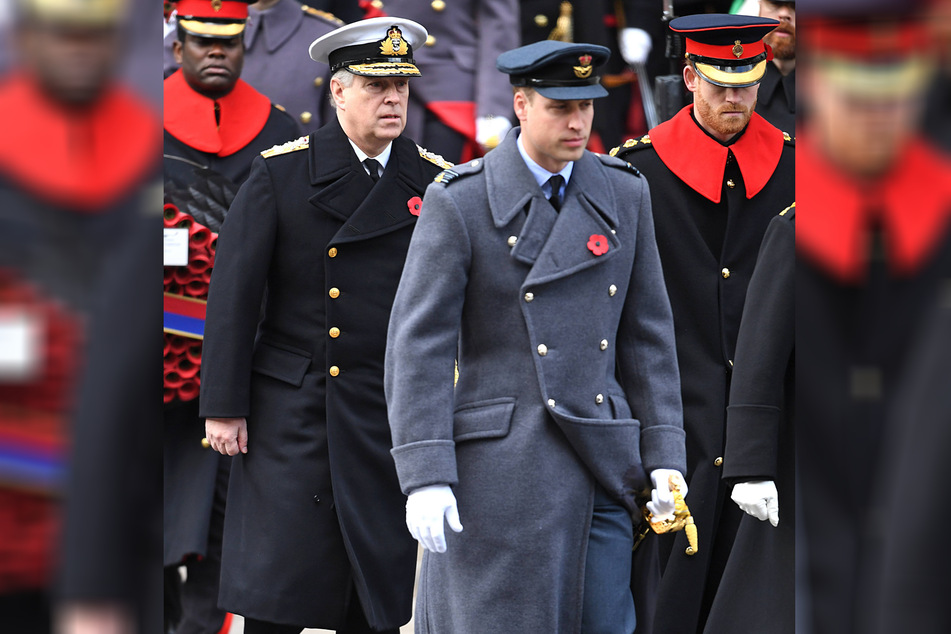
(375, 47)
(556, 70)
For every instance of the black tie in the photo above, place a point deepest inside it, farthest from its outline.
(555, 198)
(374, 167)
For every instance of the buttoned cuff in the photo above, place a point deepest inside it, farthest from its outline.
(663, 447)
(424, 463)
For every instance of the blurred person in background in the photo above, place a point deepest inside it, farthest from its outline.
(276, 32)
(314, 531)
(465, 105)
(215, 124)
(874, 260)
(776, 99)
(718, 174)
(76, 152)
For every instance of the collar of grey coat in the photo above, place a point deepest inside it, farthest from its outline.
(556, 244)
(283, 19)
(343, 189)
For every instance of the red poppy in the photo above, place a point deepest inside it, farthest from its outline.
(598, 244)
(414, 204)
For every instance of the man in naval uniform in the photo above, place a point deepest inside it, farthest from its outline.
(537, 268)
(718, 173)
(314, 527)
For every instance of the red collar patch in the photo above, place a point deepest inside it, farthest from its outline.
(833, 211)
(699, 161)
(190, 116)
(84, 161)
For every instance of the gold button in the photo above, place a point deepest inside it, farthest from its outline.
(377, 4)
(332, 252)
(529, 296)
(512, 240)
(305, 117)
(725, 273)
(551, 403)
(730, 361)
(205, 443)
(612, 290)
(599, 399)
(604, 344)
(718, 461)
(541, 20)
(474, 163)
(334, 370)
(334, 332)
(430, 40)
(542, 350)
(318, 81)
(730, 183)
(334, 293)
(438, 5)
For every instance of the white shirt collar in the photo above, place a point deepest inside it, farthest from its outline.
(383, 157)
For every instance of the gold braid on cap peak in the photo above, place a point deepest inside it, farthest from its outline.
(81, 12)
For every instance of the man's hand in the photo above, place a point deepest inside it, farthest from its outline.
(635, 45)
(661, 505)
(425, 510)
(227, 436)
(93, 618)
(490, 130)
(760, 499)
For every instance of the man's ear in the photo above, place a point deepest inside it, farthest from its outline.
(691, 78)
(177, 51)
(520, 105)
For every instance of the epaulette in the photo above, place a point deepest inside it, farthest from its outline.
(612, 161)
(642, 142)
(789, 212)
(291, 146)
(788, 139)
(317, 13)
(434, 158)
(458, 171)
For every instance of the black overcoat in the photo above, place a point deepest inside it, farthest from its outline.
(708, 250)
(315, 504)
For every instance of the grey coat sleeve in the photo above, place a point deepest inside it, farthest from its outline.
(245, 245)
(647, 356)
(422, 342)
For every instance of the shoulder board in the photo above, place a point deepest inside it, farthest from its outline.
(458, 171)
(434, 158)
(789, 212)
(612, 161)
(317, 13)
(291, 146)
(640, 143)
(789, 139)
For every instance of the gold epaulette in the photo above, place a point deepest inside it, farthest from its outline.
(434, 158)
(291, 146)
(784, 211)
(644, 140)
(330, 17)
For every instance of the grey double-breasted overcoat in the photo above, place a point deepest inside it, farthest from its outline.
(567, 376)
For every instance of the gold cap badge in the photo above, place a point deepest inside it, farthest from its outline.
(393, 43)
(737, 49)
(584, 70)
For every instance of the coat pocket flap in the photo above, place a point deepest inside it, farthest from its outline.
(281, 364)
(483, 419)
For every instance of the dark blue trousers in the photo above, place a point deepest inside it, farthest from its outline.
(608, 604)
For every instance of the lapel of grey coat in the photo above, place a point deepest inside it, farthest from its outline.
(589, 209)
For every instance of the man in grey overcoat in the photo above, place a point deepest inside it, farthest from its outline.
(536, 268)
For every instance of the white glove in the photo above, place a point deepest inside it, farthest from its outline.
(661, 505)
(760, 499)
(635, 45)
(425, 509)
(490, 130)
